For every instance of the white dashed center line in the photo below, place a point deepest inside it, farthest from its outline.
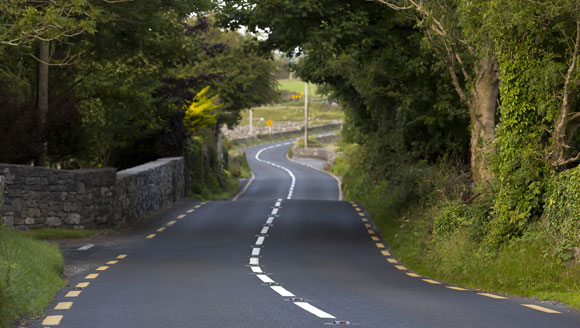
(314, 310)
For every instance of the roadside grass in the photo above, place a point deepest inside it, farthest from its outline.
(405, 212)
(312, 142)
(29, 276)
(281, 114)
(58, 233)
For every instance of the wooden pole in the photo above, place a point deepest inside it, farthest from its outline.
(306, 114)
(251, 122)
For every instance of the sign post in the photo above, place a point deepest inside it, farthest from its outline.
(269, 123)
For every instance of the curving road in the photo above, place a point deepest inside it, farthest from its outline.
(286, 253)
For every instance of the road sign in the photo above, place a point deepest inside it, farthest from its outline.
(269, 122)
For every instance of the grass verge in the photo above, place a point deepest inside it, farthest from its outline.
(29, 276)
(52, 234)
(409, 209)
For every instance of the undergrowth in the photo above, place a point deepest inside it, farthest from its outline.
(434, 226)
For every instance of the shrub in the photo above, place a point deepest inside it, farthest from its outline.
(562, 210)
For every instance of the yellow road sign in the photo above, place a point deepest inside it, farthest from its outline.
(269, 122)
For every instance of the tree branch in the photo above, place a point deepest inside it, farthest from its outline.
(456, 84)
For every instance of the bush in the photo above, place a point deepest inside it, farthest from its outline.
(453, 215)
(562, 211)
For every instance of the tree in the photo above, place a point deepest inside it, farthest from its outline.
(25, 23)
(391, 87)
(453, 29)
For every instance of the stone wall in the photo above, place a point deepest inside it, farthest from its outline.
(299, 130)
(1, 193)
(37, 197)
(148, 187)
(314, 152)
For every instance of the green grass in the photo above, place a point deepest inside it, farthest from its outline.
(296, 86)
(319, 113)
(29, 276)
(51, 234)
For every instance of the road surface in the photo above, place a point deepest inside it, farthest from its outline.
(285, 253)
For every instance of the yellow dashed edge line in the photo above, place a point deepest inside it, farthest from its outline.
(170, 223)
(541, 308)
(73, 293)
(52, 320)
(456, 288)
(181, 216)
(338, 182)
(431, 281)
(150, 236)
(401, 267)
(392, 260)
(375, 238)
(63, 306)
(55, 320)
(245, 187)
(191, 210)
(160, 229)
(82, 285)
(497, 297)
(412, 274)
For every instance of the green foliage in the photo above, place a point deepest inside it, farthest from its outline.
(562, 211)
(519, 165)
(29, 276)
(200, 113)
(205, 179)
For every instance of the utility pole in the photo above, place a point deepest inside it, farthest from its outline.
(251, 122)
(306, 114)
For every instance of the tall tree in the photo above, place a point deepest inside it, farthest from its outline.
(453, 29)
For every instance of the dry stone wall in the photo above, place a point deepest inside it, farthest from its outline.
(37, 197)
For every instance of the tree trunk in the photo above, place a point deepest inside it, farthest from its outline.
(484, 95)
(42, 99)
(559, 154)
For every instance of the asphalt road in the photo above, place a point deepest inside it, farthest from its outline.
(285, 253)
